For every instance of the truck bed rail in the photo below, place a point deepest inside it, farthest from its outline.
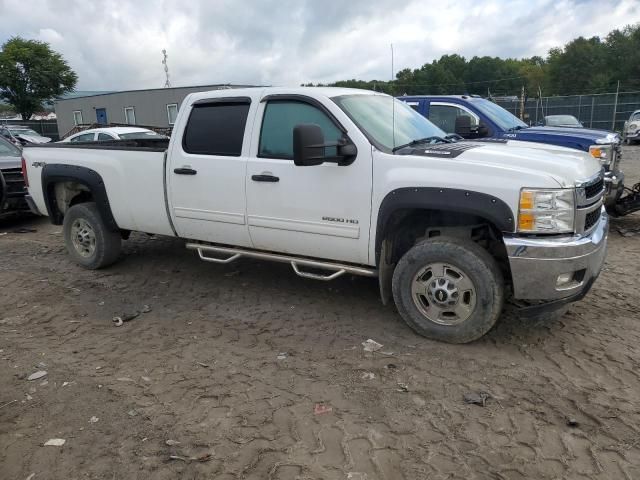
(138, 144)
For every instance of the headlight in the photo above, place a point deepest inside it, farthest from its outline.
(546, 211)
(604, 153)
(608, 138)
(632, 127)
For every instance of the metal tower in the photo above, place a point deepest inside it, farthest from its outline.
(167, 83)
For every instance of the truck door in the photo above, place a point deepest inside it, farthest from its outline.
(319, 211)
(206, 175)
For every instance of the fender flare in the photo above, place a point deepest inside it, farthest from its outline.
(483, 205)
(53, 173)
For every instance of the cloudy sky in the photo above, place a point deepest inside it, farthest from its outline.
(117, 44)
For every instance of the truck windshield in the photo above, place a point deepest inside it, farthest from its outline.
(374, 115)
(498, 115)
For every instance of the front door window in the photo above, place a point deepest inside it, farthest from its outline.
(444, 116)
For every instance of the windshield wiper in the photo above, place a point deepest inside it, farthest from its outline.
(421, 140)
(518, 127)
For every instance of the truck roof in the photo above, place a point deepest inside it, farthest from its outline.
(329, 92)
(460, 97)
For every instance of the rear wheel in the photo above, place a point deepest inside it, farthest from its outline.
(449, 289)
(89, 242)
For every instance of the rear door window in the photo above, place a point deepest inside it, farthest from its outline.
(216, 129)
(85, 137)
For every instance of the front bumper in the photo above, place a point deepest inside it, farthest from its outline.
(537, 263)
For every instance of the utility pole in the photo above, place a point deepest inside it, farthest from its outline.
(615, 108)
(522, 104)
(167, 83)
(541, 101)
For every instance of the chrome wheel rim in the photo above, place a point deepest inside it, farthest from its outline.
(443, 294)
(83, 237)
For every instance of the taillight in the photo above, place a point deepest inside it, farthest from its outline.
(24, 172)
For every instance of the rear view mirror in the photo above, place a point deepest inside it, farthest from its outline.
(463, 126)
(308, 145)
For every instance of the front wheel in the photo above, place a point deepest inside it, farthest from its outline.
(88, 240)
(449, 289)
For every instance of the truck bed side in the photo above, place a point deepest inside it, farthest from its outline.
(132, 176)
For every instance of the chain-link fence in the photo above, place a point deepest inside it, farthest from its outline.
(606, 111)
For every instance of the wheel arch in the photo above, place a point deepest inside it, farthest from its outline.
(82, 184)
(407, 214)
(454, 202)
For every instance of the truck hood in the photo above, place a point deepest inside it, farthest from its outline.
(565, 166)
(579, 138)
(9, 162)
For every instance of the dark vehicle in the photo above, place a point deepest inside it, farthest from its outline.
(561, 121)
(12, 186)
(476, 118)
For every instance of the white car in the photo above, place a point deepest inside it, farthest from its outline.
(112, 133)
(632, 128)
(346, 182)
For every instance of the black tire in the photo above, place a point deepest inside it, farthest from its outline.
(106, 245)
(466, 257)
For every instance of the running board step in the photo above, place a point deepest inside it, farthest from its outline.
(233, 254)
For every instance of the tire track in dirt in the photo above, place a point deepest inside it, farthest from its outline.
(203, 368)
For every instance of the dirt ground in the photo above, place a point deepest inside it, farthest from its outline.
(247, 371)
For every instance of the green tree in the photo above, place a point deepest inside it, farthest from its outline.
(623, 55)
(534, 73)
(579, 67)
(32, 73)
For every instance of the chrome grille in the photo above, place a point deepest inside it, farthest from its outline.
(589, 194)
(594, 189)
(14, 182)
(591, 190)
(591, 219)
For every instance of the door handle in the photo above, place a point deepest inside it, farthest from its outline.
(265, 178)
(184, 171)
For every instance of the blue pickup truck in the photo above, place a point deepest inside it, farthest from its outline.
(476, 118)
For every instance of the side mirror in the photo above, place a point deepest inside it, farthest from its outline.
(483, 131)
(308, 145)
(463, 126)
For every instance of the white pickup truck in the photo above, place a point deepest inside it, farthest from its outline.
(337, 181)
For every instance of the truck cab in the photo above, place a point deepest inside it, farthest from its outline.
(476, 118)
